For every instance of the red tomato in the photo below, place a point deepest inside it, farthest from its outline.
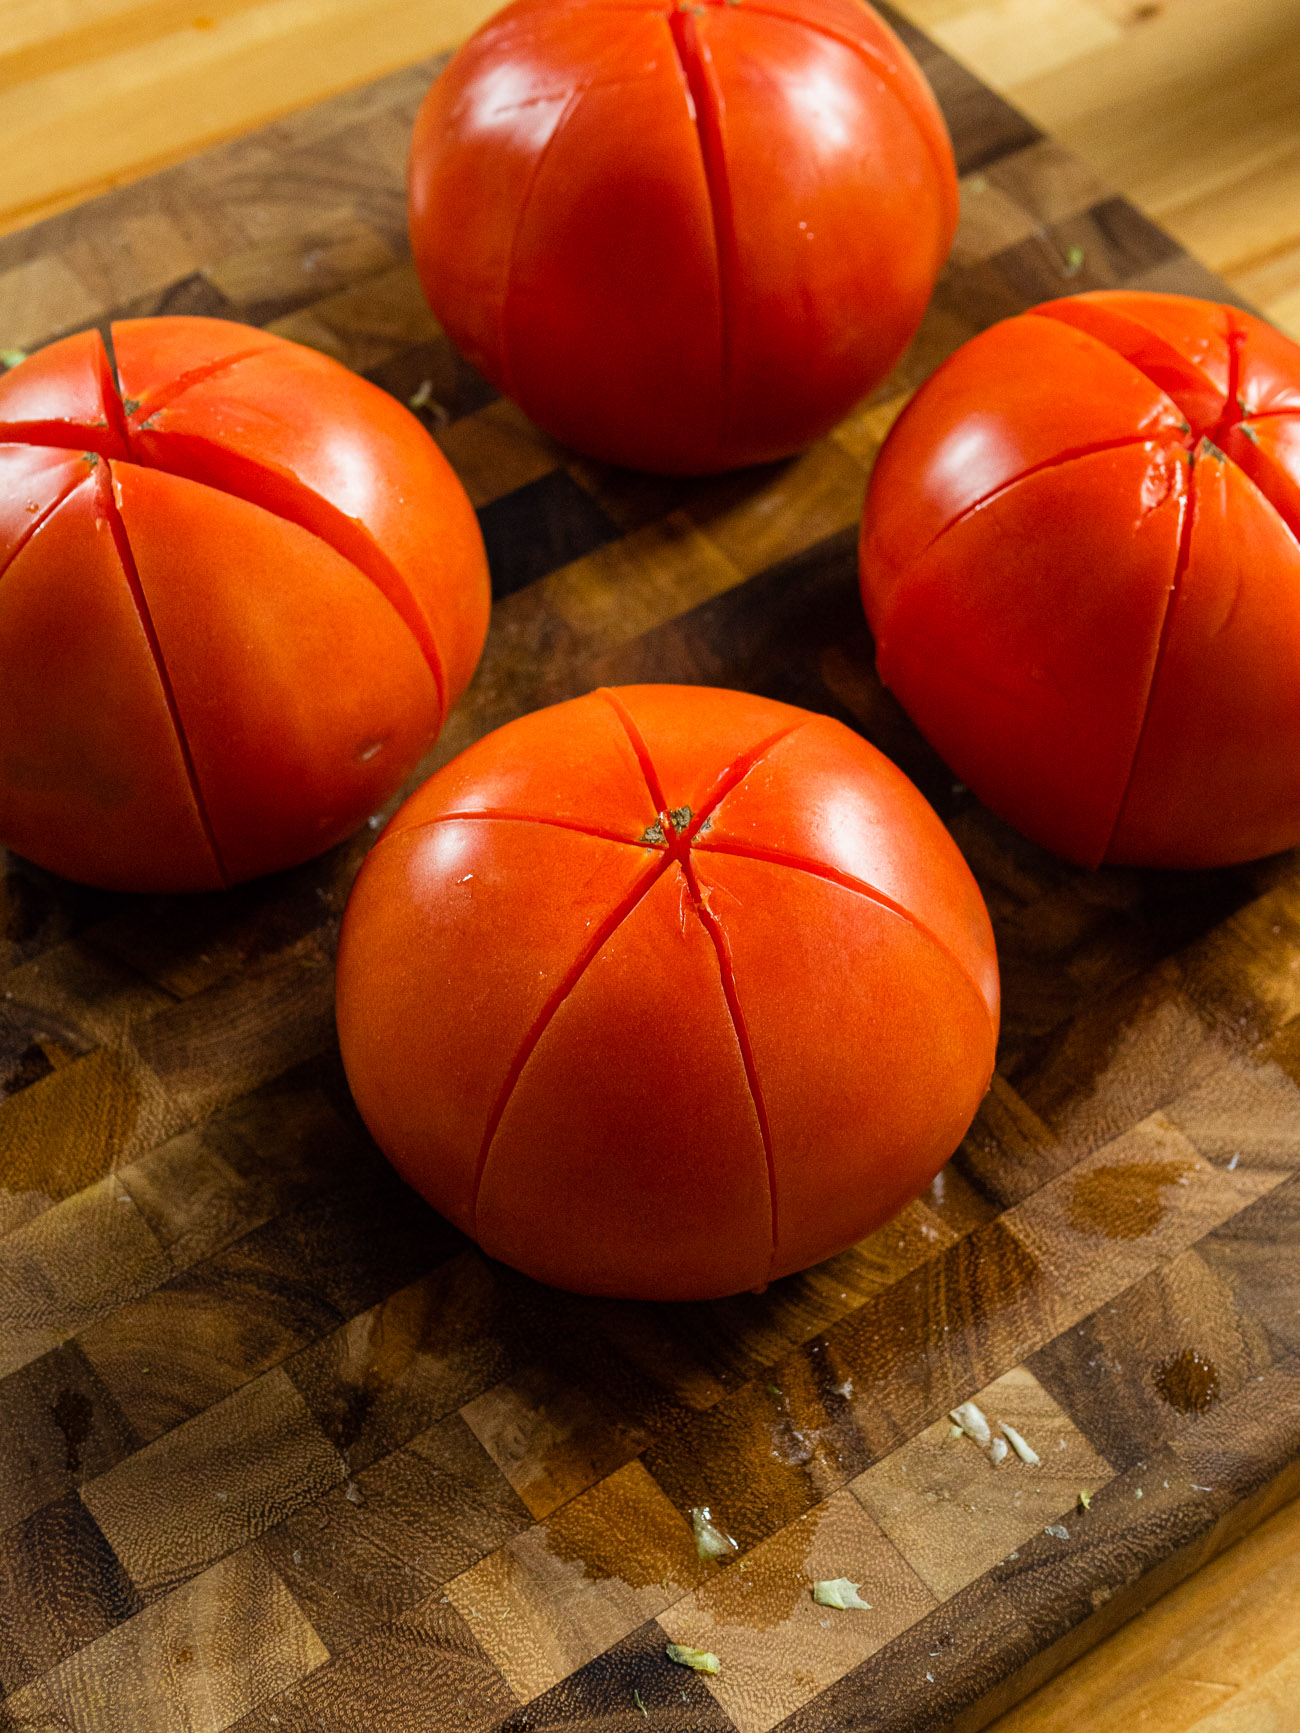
(239, 597)
(666, 991)
(682, 237)
(1080, 561)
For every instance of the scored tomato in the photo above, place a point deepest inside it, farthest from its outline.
(684, 238)
(1081, 563)
(240, 587)
(665, 991)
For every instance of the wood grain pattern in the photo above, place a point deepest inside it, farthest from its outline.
(274, 1433)
(1225, 1644)
(197, 1659)
(102, 90)
(1186, 106)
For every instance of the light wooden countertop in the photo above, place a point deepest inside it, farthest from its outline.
(1190, 107)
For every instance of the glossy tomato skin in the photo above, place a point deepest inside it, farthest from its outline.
(683, 238)
(1080, 561)
(665, 992)
(240, 589)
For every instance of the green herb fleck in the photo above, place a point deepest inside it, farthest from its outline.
(636, 1698)
(11, 357)
(698, 1660)
(1085, 1501)
(90, 458)
(1073, 261)
(423, 400)
(131, 405)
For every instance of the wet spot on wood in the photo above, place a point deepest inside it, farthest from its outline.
(1124, 1202)
(73, 1415)
(1188, 1381)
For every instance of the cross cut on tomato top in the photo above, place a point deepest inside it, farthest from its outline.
(666, 991)
(683, 237)
(291, 592)
(1221, 370)
(1081, 562)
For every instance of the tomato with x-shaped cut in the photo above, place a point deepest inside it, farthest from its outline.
(1080, 559)
(683, 237)
(667, 991)
(239, 589)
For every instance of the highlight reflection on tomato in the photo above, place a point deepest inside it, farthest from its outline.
(239, 595)
(1081, 564)
(684, 238)
(667, 991)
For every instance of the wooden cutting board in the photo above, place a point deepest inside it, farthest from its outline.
(280, 1449)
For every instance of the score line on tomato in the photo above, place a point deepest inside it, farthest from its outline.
(1081, 561)
(684, 238)
(665, 992)
(241, 589)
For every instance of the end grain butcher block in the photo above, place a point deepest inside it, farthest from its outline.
(280, 1450)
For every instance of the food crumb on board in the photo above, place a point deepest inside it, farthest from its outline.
(841, 1593)
(698, 1660)
(710, 1540)
(972, 1422)
(1024, 1451)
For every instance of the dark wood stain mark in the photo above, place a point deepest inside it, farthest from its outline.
(1123, 1202)
(73, 1415)
(1188, 1381)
